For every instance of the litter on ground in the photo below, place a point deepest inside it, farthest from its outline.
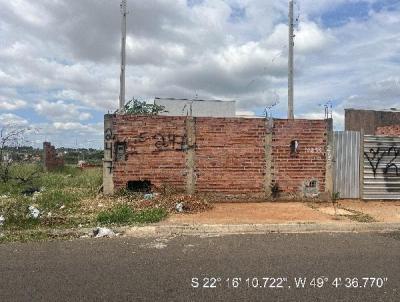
(33, 212)
(103, 232)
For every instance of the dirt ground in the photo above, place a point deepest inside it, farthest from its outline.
(382, 211)
(290, 212)
(253, 213)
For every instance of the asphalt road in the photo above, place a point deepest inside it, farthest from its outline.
(161, 269)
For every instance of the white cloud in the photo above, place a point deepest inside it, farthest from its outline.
(10, 105)
(12, 120)
(61, 111)
(61, 58)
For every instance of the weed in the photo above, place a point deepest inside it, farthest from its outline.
(150, 215)
(120, 214)
(359, 216)
(124, 214)
(275, 190)
(54, 199)
(17, 215)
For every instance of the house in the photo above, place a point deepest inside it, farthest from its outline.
(196, 108)
(373, 122)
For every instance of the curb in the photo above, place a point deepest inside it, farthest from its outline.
(218, 229)
(215, 230)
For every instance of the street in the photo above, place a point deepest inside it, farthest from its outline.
(200, 268)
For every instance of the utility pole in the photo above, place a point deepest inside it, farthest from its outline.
(123, 57)
(290, 62)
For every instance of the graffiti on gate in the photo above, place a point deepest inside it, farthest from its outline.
(376, 157)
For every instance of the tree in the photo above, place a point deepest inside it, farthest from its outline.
(11, 137)
(136, 107)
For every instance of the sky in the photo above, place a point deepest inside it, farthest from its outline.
(59, 59)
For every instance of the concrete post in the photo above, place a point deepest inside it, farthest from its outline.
(45, 154)
(361, 185)
(329, 159)
(268, 157)
(191, 155)
(108, 182)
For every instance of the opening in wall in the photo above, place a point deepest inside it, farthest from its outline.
(294, 147)
(141, 186)
(120, 151)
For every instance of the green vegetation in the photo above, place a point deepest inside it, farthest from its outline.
(120, 214)
(150, 215)
(359, 216)
(57, 195)
(136, 107)
(125, 214)
(65, 198)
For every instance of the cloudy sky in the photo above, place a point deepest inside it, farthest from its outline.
(59, 59)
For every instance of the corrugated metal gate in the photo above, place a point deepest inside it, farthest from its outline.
(381, 179)
(346, 158)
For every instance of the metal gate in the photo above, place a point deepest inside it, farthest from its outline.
(346, 166)
(381, 179)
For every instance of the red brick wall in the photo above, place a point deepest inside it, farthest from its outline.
(50, 159)
(393, 130)
(309, 163)
(229, 153)
(153, 150)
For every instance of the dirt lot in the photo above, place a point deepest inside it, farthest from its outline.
(382, 211)
(253, 213)
(356, 211)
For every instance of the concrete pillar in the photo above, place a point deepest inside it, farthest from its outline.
(361, 171)
(108, 182)
(191, 155)
(329, 159)
(46, 147)
(268, 177)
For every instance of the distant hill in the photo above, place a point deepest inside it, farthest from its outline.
(71, 155)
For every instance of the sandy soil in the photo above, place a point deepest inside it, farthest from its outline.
(382, 211)
(254, 213)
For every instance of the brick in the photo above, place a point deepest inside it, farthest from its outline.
(229, 153)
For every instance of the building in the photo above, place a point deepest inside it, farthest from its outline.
(197, 108)
(373, 122)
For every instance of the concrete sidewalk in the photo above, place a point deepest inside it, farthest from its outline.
(274, 217)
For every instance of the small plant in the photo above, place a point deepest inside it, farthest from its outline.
(275, 190)
(335, 196)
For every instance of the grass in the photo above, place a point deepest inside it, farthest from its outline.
(120, 214)
(61, 194)
(67, 199)
(125, 214)
(150, 215)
